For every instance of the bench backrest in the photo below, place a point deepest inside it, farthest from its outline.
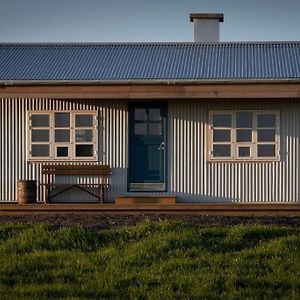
(95, 170)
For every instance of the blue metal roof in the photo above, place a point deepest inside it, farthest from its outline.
(150, 61)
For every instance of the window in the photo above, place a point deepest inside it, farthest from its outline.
(62, 135)
(244, 135)
(147, 122)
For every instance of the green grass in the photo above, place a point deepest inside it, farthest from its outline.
(167, 260)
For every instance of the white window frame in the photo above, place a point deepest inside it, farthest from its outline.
(235, 145)
(71, 145)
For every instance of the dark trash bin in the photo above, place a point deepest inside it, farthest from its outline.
(26, 192)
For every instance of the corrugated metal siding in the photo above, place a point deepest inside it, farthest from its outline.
(191, 177)
(150, 61)
(112, 146)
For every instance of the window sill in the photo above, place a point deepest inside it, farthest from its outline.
(32, 161)
(244, 161)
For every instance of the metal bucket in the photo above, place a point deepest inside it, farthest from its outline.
(26, 191)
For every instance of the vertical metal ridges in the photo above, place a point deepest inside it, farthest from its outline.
(191, 176)
(194, 178)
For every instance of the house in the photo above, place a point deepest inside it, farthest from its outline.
(205, 121)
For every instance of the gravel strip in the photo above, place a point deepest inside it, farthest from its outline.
(115, 221)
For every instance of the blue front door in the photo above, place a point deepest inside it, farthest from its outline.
(147, 147)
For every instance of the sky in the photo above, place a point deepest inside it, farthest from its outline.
(144, 20)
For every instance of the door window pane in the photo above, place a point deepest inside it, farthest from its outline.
(84, 120)
(84, 135)
(62, 151)
(220, 135)
(266, 135)
(62, 135)
(154, 114)
(62, 119)
(39, 150)
(40, 120)
(140, 114)
(84, 150)
(140, 129)
(221, 150)
(39, 135)
(266, 150)
(222, 120)
(244, 135)
(155, 129)
(244, 119)
(244, 151)
(266, 120)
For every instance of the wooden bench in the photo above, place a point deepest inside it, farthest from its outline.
(101, 172)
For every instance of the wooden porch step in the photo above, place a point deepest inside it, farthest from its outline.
(144, 200)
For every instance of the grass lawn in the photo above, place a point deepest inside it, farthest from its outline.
(166, 260)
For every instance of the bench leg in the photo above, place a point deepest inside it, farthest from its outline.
(47, 195)
(101, 194)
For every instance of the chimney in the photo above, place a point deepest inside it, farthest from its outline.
(206, 27)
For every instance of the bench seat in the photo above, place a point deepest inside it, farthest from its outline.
(100, 172)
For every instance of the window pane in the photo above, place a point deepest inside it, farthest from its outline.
(39, 135)
(154, 114)
(39, 150)
(140, 114)
(244, 151)
(266, 120)
(220, 135)
(266, 135)
(62, 151)
(266, 150)
(244, 119)
(84, 135)
(244, 135)
(40, 120)
(221, 150)
(84, 120)
(84, 150)
(62, 119)
(155, 129)
(62, 135)
(140, 129)
(222, 120)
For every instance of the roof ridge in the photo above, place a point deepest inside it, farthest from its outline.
(86, 44)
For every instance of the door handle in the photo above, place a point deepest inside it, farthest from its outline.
(161, 147)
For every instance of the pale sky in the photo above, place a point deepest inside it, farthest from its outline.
(141, 20)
